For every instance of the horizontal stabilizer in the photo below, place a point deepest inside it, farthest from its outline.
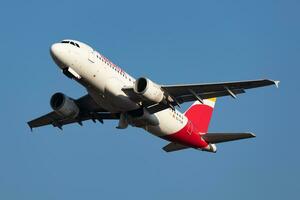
(214, 138)
(174, 147)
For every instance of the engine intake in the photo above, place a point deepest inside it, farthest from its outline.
(64, 105)
(149, 90)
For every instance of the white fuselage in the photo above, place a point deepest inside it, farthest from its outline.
(104, 82)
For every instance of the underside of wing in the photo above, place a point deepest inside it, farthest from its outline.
(87, 103)
(174, 147)
(89, 110)
(215, 138)
(57, 120)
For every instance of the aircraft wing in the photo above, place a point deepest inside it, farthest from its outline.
(192, 92)
(89, 110)
(210, 90)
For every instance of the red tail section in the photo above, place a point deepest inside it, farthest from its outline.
(200, 114)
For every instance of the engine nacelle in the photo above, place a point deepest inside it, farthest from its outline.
(64, 106)
(149, 90)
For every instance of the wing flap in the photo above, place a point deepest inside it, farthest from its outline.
(226, 137)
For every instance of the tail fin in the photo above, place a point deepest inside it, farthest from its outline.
(200, 113)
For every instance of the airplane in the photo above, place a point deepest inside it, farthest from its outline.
(112, 94)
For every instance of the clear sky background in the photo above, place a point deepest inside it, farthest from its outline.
(169, 42)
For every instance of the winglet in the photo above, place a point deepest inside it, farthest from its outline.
(31, 128)
(276, 83)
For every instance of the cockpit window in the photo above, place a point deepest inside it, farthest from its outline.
(70, 42)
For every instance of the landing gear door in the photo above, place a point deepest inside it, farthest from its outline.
(92, 56)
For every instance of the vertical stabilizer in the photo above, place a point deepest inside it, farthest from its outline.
(200, 114)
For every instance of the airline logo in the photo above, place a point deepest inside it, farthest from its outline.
(200, 114)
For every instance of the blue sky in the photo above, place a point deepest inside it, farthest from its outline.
(169, 42)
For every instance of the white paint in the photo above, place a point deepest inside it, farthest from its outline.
(104, 82)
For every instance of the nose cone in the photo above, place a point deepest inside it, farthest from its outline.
(56, 51)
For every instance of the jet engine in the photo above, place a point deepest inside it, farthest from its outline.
(149, 90)
(64, 105)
